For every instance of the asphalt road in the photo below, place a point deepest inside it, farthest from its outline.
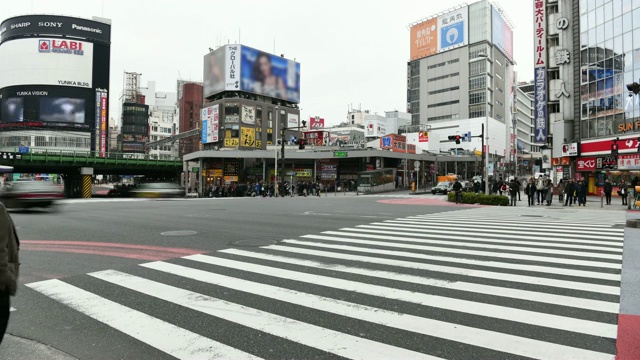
(318, 277)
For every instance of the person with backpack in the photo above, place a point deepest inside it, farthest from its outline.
(514, 189)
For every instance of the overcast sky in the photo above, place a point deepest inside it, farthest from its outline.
(352, 53)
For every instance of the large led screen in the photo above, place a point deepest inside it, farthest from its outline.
(12, 110)
(46, 61)
(62, 110)
(502, 35)
(236, 67)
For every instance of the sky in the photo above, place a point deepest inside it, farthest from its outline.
(352, 53)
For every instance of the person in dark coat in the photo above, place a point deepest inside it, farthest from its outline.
(530, 190)
(9, 265)
(608, 188)
(569, 190)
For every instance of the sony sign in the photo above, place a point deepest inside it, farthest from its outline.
(50, 24)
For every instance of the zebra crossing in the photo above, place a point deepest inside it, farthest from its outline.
(481, 283)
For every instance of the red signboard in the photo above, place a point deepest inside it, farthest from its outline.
(423, 136)
(103, 124)
(594, 147)
(316, 123)
(586, 164)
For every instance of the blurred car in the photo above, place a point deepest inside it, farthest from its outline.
(157, 190)
(31, 194)
(120, 191)
(443, 187)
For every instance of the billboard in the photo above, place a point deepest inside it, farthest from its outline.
(453, 29)
(375, 128)
(570, 149)
(423, 136)
(540, 71)
(237, 67)
(101, 121)
(210, 124)
(292, 120)
(424, 39)
(397, 143)
(501, 33)
(316, 123)
(20, 26)
(12, 109)
(46, 61)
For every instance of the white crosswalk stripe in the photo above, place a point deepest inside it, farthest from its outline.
(475, 283)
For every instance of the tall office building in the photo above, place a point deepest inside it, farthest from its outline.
(461, 72)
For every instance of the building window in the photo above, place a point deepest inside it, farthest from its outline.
(477, 49)
(499, 76)
(477, 97)
(415, 107)
(232, 109)
(415, 68)
(444, 117)
(444, 103)
(477, 67)
(553, 108)
(479, 82)
(415, 84)
(498, 62)
(443, 64)
(444, 90)
(443, 77)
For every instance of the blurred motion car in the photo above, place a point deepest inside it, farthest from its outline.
(31, 194)
(442, 187)
(157, 190)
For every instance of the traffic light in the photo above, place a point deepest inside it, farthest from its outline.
(301, 144)
(614, 149)
(455, 138)
(634, 88)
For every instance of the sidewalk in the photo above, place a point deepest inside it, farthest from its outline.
(17, 348)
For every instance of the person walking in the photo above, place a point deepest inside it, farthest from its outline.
(548, 192)
(561, 186)
(608, 188)
(514, 189)
(540, 190)
(569, 190)
(530, 190)
(9, 265)
(623, 192)
(582, 194)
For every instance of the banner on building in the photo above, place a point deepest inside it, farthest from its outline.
(540, 71)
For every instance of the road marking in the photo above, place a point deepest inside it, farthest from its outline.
(315, 213)
(311, 335)
(426, 236)
(340, 237)
(12, 309)
(604, 289)
(429, 327)
(597, 305)
(452, 304)
(157, 333)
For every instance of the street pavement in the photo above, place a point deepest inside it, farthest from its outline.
(367, 277)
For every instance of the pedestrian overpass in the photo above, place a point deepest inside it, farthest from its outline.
(78, 168)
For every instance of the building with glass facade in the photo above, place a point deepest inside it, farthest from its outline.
(585, 54)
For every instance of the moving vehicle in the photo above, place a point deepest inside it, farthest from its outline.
(31, 194)
(443, 187)
(157, 190)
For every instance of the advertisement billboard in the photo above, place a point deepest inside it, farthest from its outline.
(46, 61)
(316, 123)
(423, 136)
(103, 106)
(270, 75)
(424, 39)
(20, 26)
(47, 106)
(210, 124)
(501, 33)
(375, 128)
(237, 67)
(453, 29)
(292, 120)
(570, 149)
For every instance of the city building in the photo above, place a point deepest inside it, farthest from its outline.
(163, 121)
(135, 127)
(54, 84)
(114, 138)
(356, 116)
(189, 107)
(585, 56)
(461, 72)
(523, 116)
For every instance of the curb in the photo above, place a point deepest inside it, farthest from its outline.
(628, 340)
(19, 348)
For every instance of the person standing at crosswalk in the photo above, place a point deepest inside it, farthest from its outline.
(530, 190)
(514, 189)
(9, 263)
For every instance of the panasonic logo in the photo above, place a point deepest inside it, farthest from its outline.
(86, 28)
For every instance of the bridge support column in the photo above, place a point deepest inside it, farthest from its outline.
(86, 174)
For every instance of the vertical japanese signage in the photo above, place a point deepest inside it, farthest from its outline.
(103, 123)
(232, 62)
(540, 70)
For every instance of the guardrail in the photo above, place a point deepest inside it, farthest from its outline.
(91, 157)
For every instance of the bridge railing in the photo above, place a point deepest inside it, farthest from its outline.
(93, 156)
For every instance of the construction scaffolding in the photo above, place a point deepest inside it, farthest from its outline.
(131, 91)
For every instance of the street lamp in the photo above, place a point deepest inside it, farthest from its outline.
(485, 152)
(276, 132)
